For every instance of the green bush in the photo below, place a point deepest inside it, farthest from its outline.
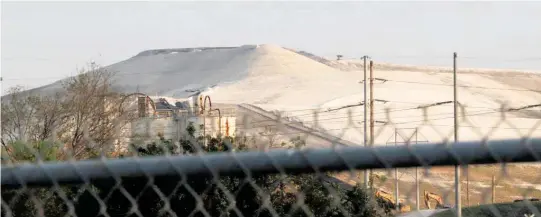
(18, 151)
(176, 195)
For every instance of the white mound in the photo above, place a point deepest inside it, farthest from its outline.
(272, 77)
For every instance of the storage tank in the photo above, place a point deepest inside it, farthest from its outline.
(194, 104)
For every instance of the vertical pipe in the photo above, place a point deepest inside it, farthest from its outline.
(204, 131)
(457, 168)
(396, 174)
(177, 130)
(371, 108)
(417, 188)
(365, 116)
(226, 127)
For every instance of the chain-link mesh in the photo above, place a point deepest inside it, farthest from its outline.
(225, 160)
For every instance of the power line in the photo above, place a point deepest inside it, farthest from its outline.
(392, 110)
(466, 86)
(294, 116)
(322, 111)
(333, 116)
(359, 115)
(467, 115)
(322, 114)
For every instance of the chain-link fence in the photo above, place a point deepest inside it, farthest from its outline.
(251, 161)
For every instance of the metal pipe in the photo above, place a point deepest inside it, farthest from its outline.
(120, 105)
(340, 158)
(203, 108)
(226, 127)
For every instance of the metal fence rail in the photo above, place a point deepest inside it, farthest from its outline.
(340, 158)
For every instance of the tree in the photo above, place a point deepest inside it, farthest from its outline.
(50, 114)
(95, 121)
(28, 119)
(84, 115)
(360, 202)
(18, 115)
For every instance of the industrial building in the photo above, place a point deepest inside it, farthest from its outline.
(157, 117)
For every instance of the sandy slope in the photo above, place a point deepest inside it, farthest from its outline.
(275, 78)
(171, 72)
(338, 88)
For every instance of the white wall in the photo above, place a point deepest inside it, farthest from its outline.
(145, 130)
(212, 125)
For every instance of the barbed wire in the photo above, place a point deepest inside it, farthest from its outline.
(359, 114)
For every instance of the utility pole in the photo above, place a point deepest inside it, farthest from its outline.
(371, 103)
(417, 189)
(366, 180)
(396, 174)
(368, 173)
(371, 107)
(457, 168)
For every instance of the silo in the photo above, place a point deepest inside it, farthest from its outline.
(194, 104)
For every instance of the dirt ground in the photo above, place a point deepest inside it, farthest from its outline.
(516, 181)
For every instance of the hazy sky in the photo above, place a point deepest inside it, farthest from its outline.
(43, 42)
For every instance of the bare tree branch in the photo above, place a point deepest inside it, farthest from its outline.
(84, 117)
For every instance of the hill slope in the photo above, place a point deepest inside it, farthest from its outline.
(275, 78)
